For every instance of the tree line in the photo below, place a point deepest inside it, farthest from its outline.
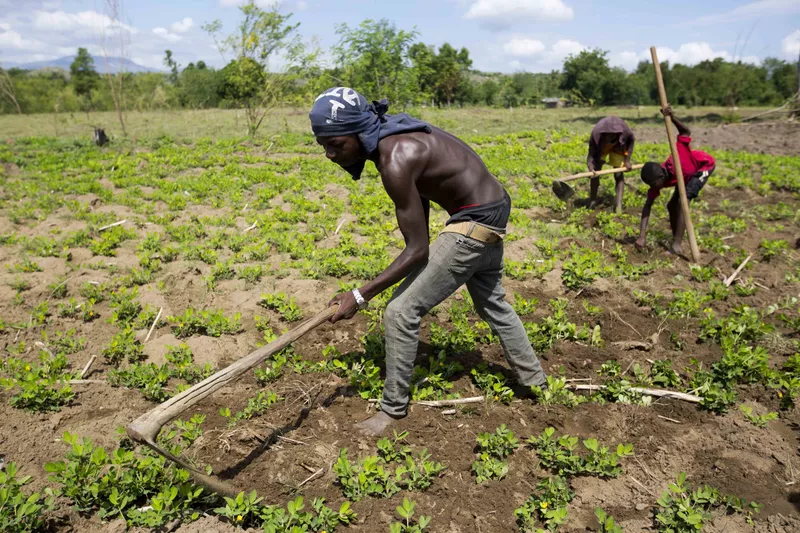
(380, 60)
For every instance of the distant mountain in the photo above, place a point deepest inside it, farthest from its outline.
(114, 65)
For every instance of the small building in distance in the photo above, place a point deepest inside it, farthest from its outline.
(554, 102)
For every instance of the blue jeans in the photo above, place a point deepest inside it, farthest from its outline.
(453, 260)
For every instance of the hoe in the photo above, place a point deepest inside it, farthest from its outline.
(565, 192)
(145, 429)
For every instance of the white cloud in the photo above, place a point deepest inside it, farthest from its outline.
(301, 5)
(534, 55)
(85, 21)
(566, 47)
(182, 26)
(627, 60)
(688, 54)
(155, 61)
(12, 39)
(504, 13)
(791, 45)
(5, 27)
(520, 47)
(166, 35)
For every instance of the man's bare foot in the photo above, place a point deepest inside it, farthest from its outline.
(376, 424)
(675, 249)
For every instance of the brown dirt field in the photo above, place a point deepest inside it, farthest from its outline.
(319, 410)
(775, 138)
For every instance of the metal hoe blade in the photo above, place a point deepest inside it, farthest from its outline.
(563, 191)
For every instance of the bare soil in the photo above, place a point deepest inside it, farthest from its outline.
(318, 411)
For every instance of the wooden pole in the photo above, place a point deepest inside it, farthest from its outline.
(662, 94)
(144, 429)
(599, 173)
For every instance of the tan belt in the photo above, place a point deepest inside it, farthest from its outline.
(473, 230)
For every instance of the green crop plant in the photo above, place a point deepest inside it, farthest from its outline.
(219, 272)
(560, 455)
(245, 510)
(432, 382)
(591, 310)
(125, 306)
(152, 380)
(38, 387)
(524, 306)
(256, 406)
(93, 291)
(206, 322)
(283, 305)
(744, 325)
(662, 375)
(493, 385)
(744, 287)
(718, 291)
(556, 393)
(24, 266)
(251, 274)
(686, 304)
(64, 342)
(124, 346)
(703, 273)
(19, 284)
(39, 314)
(461, 339)
(546, 506)
(493, 448)
(757, 420)
(271, 371)
(770, 249)
(409, 525)
(113, 485)
(387, 473)
(107, 242)
(583, 267)
(21, 512)
(681, 508)
(607, 522)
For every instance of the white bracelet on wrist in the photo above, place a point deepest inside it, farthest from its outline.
(362, 303)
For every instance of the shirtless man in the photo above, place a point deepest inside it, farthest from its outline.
(419, 164)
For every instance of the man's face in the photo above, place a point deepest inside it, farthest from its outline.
(344, 150)
(610, 138)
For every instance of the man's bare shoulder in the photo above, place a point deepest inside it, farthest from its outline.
(404, 154)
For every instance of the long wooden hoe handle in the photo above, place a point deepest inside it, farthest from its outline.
(662, 94)
(599, 173)
(145, 429)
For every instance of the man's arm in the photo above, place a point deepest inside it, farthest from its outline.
(641, 242)
(412, 217)
(629, 142)
(682, 128)
(590, 158)
(426, 206)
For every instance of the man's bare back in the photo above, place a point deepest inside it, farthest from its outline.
(448, 171)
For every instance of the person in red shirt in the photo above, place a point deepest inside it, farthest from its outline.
(697, 167)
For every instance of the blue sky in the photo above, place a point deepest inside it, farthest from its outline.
(502, 35)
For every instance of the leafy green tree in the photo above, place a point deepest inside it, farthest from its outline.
(84, 77)
(260, 35)
(451, 67)
(172, 65)
(373, 58)
(585, 75)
